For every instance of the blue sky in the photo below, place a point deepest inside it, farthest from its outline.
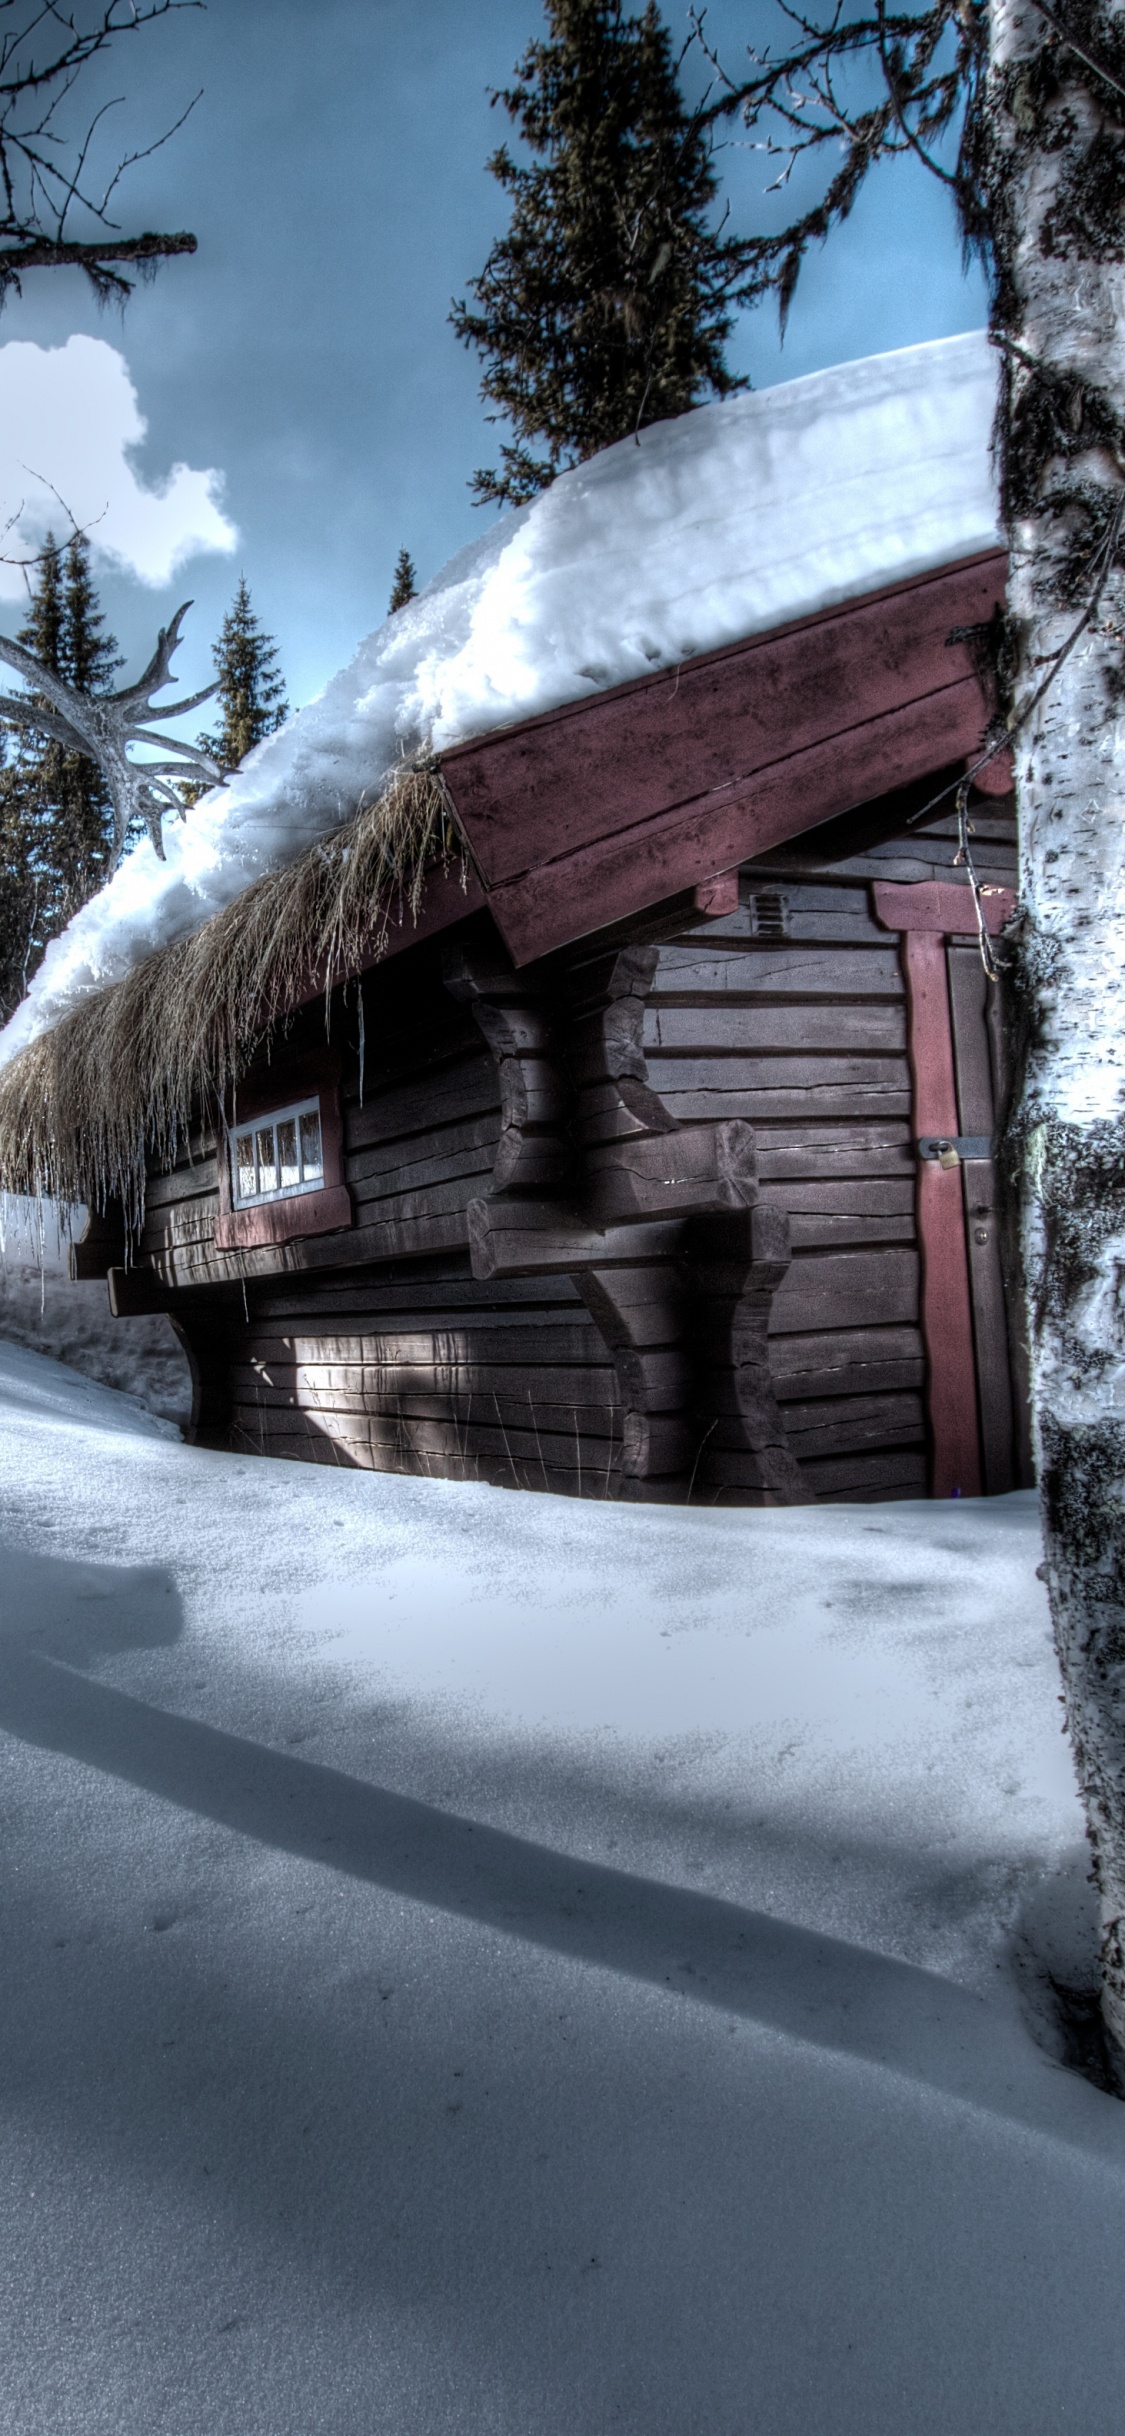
(333, 172)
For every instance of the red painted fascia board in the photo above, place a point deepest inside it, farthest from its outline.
(551, 786)
(620, 876)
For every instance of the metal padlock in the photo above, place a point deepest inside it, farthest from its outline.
(947, 1156)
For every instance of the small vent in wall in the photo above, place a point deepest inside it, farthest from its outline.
(769, 914)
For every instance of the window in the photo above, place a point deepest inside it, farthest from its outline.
(277, 1156)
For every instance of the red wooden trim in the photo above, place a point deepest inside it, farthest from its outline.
(556, 785)
(659, 858)
(947, 1319)
(940, 905)
(323, 1213)
(319, 1213)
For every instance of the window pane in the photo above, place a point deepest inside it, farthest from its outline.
(287, 1154)
(244, 1166)
(267, 1166)
(311, 1157)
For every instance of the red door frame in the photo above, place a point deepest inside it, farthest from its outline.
(926, 913)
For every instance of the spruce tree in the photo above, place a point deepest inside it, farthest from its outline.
(607, 305)
(405, 586)
(251, 687)
(21, 940)
(56, 816)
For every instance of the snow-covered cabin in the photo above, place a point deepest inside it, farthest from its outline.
(646, 1150)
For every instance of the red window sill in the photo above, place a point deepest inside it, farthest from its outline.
(323, 1213)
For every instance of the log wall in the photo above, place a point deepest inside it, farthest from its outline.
(378, 1347)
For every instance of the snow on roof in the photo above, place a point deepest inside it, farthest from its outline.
(724, 523)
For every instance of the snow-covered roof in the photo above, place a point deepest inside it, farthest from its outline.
(727, 522)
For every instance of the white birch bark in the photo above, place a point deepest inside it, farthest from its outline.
(1061, 300)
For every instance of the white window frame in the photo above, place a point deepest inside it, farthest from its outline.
(273, 1117)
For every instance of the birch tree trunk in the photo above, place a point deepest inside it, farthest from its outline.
(1054, 131)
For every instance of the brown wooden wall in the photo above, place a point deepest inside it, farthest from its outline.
(379, 1348)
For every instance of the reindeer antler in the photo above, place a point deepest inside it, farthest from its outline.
(102, 726)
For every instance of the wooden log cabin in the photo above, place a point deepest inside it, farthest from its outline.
(654, 1158)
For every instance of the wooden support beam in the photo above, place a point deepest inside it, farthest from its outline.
(924, 914)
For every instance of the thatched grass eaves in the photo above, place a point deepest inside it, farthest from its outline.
(91, 1103)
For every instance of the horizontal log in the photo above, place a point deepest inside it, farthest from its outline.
(790, 1071)
(468, 1087)
(842, 1346)
(413, 1187)
(815, 1154)
(833, 1290)
(843, 1196)
(849, 1433)
(824, 1231)
(753, 971)
(594, 1414)
(183, 1184)
(756, 1028)
(868, 1476)
(409, 1155)
(563, 1382)
(377, 1300)
(578, 1348)
(385, 1241)
(719, 1098)
(877, 1377)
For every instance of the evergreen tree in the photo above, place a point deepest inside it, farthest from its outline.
(607, 305)
(21, 940)
(405, 586)
(56, 816)
(251, 687)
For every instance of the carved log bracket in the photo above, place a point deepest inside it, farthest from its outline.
(657, 1224)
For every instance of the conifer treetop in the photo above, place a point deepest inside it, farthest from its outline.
(405, 585)
(608, 304)
(249, 685)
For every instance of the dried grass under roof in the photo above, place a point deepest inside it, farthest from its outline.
(84, 1108)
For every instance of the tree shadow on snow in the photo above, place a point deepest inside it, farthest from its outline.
(58, 1618)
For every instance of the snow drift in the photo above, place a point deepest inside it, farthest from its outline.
(724, 523)
(482, 1961)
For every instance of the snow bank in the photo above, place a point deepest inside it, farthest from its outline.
(723, 523)
(475, 1961)
(33, 1384)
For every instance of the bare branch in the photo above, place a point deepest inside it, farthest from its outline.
(45, 161)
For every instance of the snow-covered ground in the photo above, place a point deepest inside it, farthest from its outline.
(722, 523)
(480, 1963)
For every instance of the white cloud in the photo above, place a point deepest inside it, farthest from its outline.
(68, 418)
